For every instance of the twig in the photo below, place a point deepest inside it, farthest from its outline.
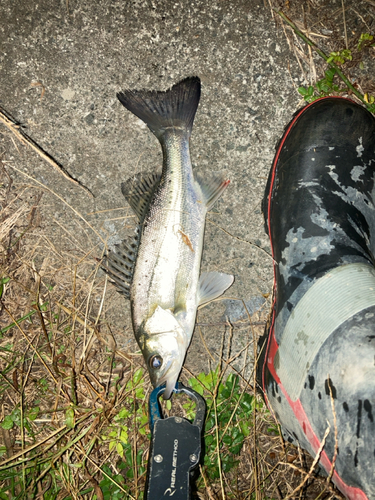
(343, 15)
(14, 127)
(75, 317)
(108, 477)
(30, 344)
(238, 238)
(95, 485)
(60, 198)
(313, 465)
(218, 441)
(335, 428)
(325, 57)
(39, 311)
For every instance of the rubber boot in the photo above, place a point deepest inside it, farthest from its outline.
(316, 361)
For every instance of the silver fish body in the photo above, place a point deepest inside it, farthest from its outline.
(162, 279)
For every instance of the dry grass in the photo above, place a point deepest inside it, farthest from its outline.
(60, 360)
(65, 386)
(332, 27)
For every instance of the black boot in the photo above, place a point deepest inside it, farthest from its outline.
(319, 346)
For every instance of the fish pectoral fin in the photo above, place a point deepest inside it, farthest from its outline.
(138, 191)
(212, 285)
(212, 188)
(119, 263)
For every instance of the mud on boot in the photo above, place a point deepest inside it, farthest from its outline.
(319, 345)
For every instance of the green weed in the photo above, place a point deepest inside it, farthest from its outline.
(330, 84)
(43, 307)
(227, 426)
(228, 420)
(326, 85)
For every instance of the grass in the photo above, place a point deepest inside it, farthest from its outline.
(334, 47)
(74, 415)
(326, 86)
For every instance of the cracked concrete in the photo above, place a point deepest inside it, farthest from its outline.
(79, 54)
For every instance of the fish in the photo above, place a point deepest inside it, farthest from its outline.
(158, 267)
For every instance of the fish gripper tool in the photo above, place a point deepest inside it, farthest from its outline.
(175, 448)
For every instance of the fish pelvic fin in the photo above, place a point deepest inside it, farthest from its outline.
(174, 108)
(212, 285)
(138, 192)
(119, 263)
(212, 188)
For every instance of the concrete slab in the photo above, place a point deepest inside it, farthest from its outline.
(79, 54)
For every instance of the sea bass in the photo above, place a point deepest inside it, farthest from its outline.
(158, 268)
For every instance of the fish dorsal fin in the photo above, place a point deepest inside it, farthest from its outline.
(212, 285)
(119, 263)
(138, 191)
(212, 188)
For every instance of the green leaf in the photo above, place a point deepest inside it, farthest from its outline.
(232, 381)
(209, 440)
(124, 436)
(120, 449)
(228, 463)
(247, 402)
(302, 91)
(122, 414)
(137, 376)
(70, 418)
(199, 389)
(235, 433)
(227, 439)
(210, 422)
(33, 413)
(236, 449)
(225, 393)
(330, 73)
(16, 416)
(245, 429)
(139, 393)
(3, 281)
(7, 422)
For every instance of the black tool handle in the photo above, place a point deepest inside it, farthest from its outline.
(175, 449)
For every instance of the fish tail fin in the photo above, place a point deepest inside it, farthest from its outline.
(174, 108)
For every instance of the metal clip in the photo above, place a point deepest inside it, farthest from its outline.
(154, 405)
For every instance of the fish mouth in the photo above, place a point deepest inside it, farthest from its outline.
(169, 378)
(169, 386)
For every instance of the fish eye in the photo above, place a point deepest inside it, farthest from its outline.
(155, 362)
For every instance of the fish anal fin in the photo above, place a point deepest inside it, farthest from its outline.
(138, 191)
(212, 188)
(212, 285)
